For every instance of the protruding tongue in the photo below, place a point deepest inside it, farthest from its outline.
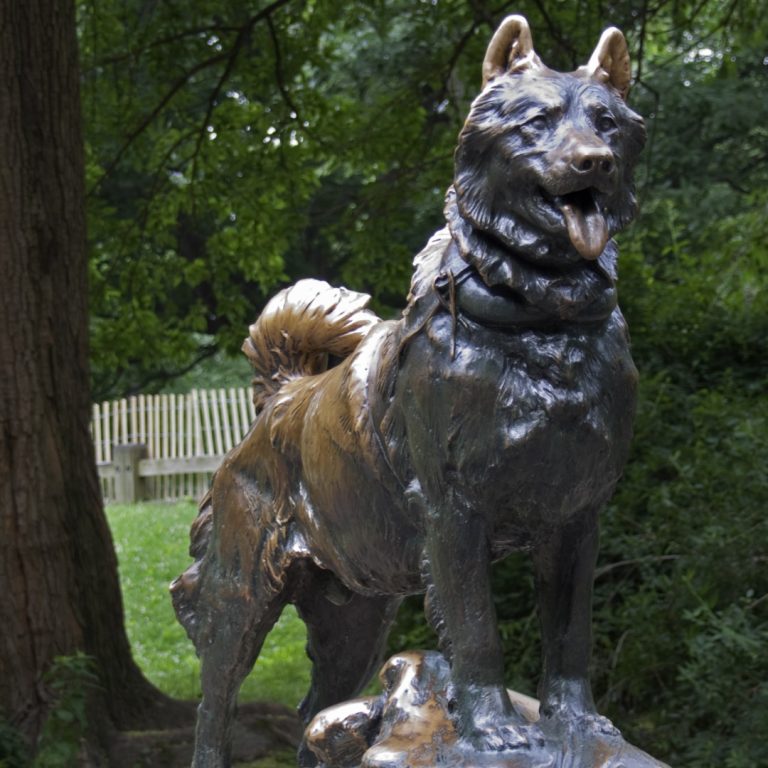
(587, 228)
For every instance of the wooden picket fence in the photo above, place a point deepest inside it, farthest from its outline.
(166, 447)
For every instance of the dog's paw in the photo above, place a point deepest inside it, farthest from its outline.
(594, 723)
(564, 722)
(499, 738)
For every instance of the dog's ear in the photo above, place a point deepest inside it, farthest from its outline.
(610, 61)
(510, 49)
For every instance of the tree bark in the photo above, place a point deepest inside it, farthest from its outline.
(59, 590)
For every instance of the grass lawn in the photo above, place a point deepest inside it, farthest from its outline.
(151, 541)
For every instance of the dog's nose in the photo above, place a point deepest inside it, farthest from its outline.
(590, 160)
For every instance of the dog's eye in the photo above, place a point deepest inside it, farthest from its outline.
(605, 123)
(538, 123)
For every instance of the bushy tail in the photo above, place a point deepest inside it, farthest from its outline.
(301, 330)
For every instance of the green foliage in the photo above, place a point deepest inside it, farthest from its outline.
(151, 541)
(218, 371)
(679, 597)
(233, 151)
(13, 748)
(70, 680)
(237, 148)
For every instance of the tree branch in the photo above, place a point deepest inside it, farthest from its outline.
(279, 68)
(158, 176)
(556, 34)
(458, 49)
(721, 25)
(150, 117)
(213, 98)
(641, 44)
(229, 56)
(136, 52)
(636, 561)
(157, 379)
(237, 46)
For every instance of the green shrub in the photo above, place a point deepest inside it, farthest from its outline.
(13, 748)
(70, 680)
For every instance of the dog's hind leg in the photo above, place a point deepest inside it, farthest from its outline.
(230, 600)
(238, 623)
(346, 637)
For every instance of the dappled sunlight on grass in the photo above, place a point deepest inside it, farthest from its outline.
(151, 541)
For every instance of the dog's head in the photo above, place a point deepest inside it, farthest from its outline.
(545, 159)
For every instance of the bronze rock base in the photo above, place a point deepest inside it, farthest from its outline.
(409, 726)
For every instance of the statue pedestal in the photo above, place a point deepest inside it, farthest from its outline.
(409, 726)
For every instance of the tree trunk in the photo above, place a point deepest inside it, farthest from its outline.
(58, 578)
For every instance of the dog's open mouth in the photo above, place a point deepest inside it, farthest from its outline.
(585, 222)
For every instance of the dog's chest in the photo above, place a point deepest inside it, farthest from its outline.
(528, 424)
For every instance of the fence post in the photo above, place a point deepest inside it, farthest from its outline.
(128, 483)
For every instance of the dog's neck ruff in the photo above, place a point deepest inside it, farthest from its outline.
(503, 288)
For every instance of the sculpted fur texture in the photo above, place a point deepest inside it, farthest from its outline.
(390, 458)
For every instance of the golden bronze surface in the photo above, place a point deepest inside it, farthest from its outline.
(409, 724)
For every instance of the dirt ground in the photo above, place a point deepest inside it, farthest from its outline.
(265, 735)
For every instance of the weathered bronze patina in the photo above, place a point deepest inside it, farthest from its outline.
(390, 458)
(409, 725)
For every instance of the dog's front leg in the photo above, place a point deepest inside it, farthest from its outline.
(565, 564)
(459, 568)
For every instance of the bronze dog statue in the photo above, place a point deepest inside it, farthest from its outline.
(391, 458)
